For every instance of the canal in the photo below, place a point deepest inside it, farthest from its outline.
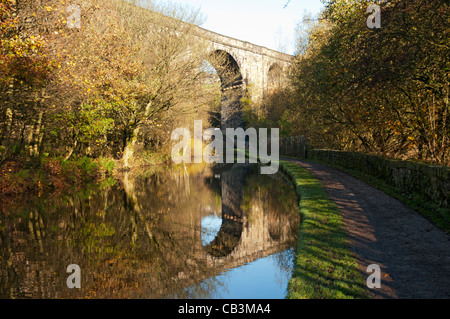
(219, 233)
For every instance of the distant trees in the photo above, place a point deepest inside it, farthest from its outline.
(383, 91)
(95, 90)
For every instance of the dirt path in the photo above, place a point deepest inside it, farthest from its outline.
(413, 254)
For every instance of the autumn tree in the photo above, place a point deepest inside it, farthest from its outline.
(128, 70)
(25, 71)
(382, 91)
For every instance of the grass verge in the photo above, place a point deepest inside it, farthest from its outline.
(325, 266)
(19, 178)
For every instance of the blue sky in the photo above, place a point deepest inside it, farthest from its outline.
(262, 22)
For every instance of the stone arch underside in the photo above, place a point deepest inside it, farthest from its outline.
(232, 88)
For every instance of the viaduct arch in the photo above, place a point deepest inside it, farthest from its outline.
(244, 67)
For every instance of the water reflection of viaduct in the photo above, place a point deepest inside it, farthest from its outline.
(245, 236)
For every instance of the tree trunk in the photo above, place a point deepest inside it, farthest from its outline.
(34, 136)
(71, 150)
(29, 147)
(129, 148)
(7, 133)
(131, 142)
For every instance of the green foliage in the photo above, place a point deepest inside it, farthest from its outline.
(24, 174)
(87, 166)
(93, 124)
(89, 125)
(251, 119)
(106, 163)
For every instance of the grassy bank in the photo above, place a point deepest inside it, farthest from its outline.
(41, 175)
(325, 266)
(23, 176)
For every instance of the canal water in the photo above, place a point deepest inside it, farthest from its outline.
(221, 233)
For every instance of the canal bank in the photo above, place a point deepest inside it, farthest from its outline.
(412, 253)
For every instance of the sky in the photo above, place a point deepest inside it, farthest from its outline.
(263, 22)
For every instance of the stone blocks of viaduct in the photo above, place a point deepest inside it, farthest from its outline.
(259, 66)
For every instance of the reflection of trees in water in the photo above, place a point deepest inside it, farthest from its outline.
(201, 290)
(276, 198)
(285, 263)
(133, 243)
(140, 238)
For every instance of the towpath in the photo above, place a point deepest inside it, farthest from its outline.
(414, 255)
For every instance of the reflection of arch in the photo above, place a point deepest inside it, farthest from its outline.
(230, 232)
(275, 75)
(227, 238)
(231, 79)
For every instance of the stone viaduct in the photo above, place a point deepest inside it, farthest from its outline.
(243, 68)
